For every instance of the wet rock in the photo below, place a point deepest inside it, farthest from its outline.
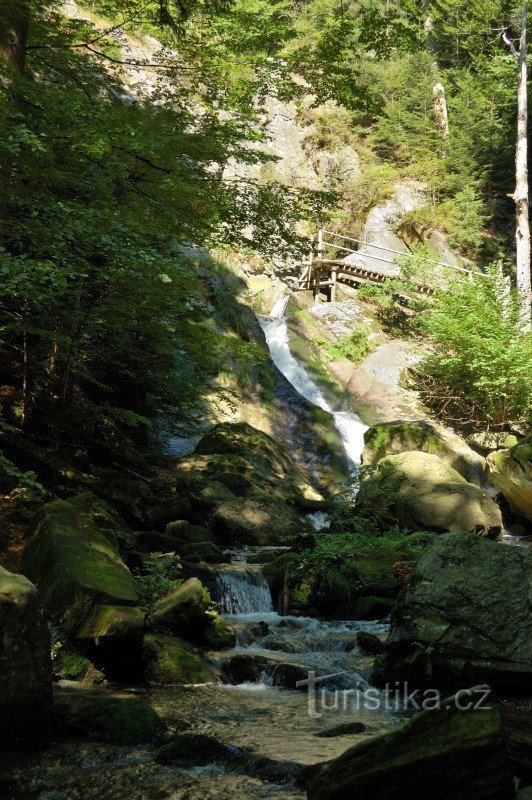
(258, 521)
(392, 438)
(112, 637)
(182, 609)
(104, 716)
(196, 748)
(445, 753)
(370, 607)
(169, 660)
(174, 508)
(511, 472)
(25, 664)
(252, 667)
(369, 643)
(464, 615)
(487, 441)
(75, 564)
(348, 728)
(424, 492)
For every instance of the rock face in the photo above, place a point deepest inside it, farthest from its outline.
(75, 563)
(464, 615)
(425, 493)
(392, 438)
(25, 664)
(444, 754)
(258, 521)
(511, 472)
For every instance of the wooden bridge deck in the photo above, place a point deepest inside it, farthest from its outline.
(323, 273)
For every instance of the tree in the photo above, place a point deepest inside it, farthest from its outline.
(520, 196)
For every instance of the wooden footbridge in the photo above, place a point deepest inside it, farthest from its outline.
(336, 258)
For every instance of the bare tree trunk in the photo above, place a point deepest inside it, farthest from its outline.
(14, 25)
(522, 232)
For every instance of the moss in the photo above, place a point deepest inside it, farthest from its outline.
(74, 565)
(217, 633)
(170, 660)
(70, 665)
(108, 718)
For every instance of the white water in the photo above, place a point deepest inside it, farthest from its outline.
(349, 425)
(243, 591)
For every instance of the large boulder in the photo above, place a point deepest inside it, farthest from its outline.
(246, 459)
(182, 609)
(511, 472)
(392, 438)
(464, 615)
(25, 664)
(258, 521)
(422, 492)
(75, 563)
(113, 636)
(169, 660)
(442, 754)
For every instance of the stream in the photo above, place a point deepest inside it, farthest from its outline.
(272, 725)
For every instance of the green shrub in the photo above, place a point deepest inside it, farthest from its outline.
(356, 346)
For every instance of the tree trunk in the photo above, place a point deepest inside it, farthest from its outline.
(522, 232)
(14, 25)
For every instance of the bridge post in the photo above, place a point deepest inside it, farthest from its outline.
(332, 292)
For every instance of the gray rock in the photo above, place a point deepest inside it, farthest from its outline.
(464, 615)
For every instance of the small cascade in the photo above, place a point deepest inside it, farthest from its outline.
(241, 589)
(349, 425)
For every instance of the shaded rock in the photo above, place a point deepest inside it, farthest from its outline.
(183, 608)
(25, 665)
(174, 508)
(69, 665)
(444, 754)
(104, 716)
(258, 521)
(511, 472)
(348, 728)
(128, 495)
(74, 564)
(112, 637)
(524, 794)
(186, 533)
(156, 542)
(464, 615)
(424, 492)
(370, 607)
(369, 643)
(392, 438)
(169, 660)
(203, 551)
(197, 748)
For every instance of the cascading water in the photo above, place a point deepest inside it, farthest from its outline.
(243, 590)
(349, 425)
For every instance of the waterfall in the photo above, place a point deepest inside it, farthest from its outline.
(349, 426)
(243, 591)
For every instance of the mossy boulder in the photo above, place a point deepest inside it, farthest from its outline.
(75, 564)
(392, 438)
(182, 609)
(206, 552)
(240, 449)
(112, 637)
(258, 521)
(423, 492)
(445, 753)
(370, 607)
(464, 615)
(70, 665)
(173, 508)
(169, 660)
(106, 717)
(187, 533)
(511, 472)
(217, 634)
(25, 664)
